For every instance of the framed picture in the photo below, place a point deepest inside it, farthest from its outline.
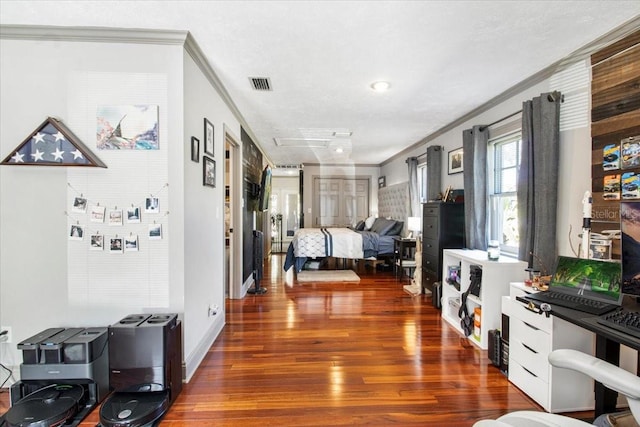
(131, 243)
(382, 182)
(456, 163)
(97, 213)
(79, 205)
(208, 171)
(115, 245)
(195, 149)
(115, 217)
(133, 215)
(152, 205)
(208, 137)
(155, 231)
(97, 242)
(76, 232)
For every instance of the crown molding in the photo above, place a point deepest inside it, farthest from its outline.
(92, 34)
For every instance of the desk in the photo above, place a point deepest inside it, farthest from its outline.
(403, 254)
(607, 347)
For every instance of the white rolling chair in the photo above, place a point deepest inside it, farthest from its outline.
(609, 375)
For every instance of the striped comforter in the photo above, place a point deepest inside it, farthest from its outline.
(323, 242)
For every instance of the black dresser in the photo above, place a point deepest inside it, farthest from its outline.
(442, 228)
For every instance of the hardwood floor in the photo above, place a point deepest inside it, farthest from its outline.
(328, 354)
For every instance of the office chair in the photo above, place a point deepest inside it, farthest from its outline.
(609, 375)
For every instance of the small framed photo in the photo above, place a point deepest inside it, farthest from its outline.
(76, 232)
(97, 242)
(456, 161)
(133, 215)
(115, 245)
(155, 231)
(208, 137)
(382, 182)
(115, 217)
(195, 149)
(208, 171)
(97, 213)
(152, 205)
(131, 243)
(79, 205)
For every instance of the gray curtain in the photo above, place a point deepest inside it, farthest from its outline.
(434, 171)
(414, 190)
(474, 147)
(538, 181)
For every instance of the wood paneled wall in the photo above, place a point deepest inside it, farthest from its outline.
(615, 115)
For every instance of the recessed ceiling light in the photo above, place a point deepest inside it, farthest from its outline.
(380, 86)
(339, 150)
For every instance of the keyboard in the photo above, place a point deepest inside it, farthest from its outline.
(573, 302)
(622, 320)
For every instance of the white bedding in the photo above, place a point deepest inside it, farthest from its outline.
(323, 242)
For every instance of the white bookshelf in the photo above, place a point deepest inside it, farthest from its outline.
(496, 276)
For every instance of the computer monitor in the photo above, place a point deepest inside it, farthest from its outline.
(598, 280)
(630, 230)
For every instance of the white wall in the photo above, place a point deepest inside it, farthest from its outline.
(575, 163)
(204, 216)
(47, 280)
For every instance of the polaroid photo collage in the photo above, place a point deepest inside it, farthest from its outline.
(115, 218)
(626, 155)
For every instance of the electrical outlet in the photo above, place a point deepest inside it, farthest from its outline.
(213, 310)
(6, 337)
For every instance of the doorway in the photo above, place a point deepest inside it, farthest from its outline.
(285, 208)
(232, 219)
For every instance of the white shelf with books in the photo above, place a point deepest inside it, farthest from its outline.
(483, 305)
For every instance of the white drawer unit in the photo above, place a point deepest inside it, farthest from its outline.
(532, 337)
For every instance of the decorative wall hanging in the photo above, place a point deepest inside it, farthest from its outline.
(208, 137)
(208, 172)
(52, 144)
(456, 161)
(97, 242)
(128, 127)
(195, 149)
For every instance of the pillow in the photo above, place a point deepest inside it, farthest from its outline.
(368, 223)
(382, 226)
(359, 226)
(396, 229)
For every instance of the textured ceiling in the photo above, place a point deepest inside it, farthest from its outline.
(442, 58)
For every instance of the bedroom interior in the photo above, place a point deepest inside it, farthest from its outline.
(319, 272)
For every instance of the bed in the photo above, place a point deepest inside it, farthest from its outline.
(359, 242)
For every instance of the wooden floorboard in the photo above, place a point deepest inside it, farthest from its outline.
(334, 354)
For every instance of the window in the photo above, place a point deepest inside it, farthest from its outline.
(504, 159)
(422, 182)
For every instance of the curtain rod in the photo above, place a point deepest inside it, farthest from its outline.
(551, 97)
(499, 120)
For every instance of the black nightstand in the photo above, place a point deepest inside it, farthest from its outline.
(404, 251)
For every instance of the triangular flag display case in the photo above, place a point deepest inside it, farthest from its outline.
(52, 144)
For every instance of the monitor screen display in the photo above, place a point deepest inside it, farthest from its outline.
(591, 278)
(630, 228)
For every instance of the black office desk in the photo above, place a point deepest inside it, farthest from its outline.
(607, 347)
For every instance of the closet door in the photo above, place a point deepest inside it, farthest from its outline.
(355, 197)
(340, 202)
(327, 195)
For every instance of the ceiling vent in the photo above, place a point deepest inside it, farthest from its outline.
(260, 83)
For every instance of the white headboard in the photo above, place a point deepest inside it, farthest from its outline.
(393, 202)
